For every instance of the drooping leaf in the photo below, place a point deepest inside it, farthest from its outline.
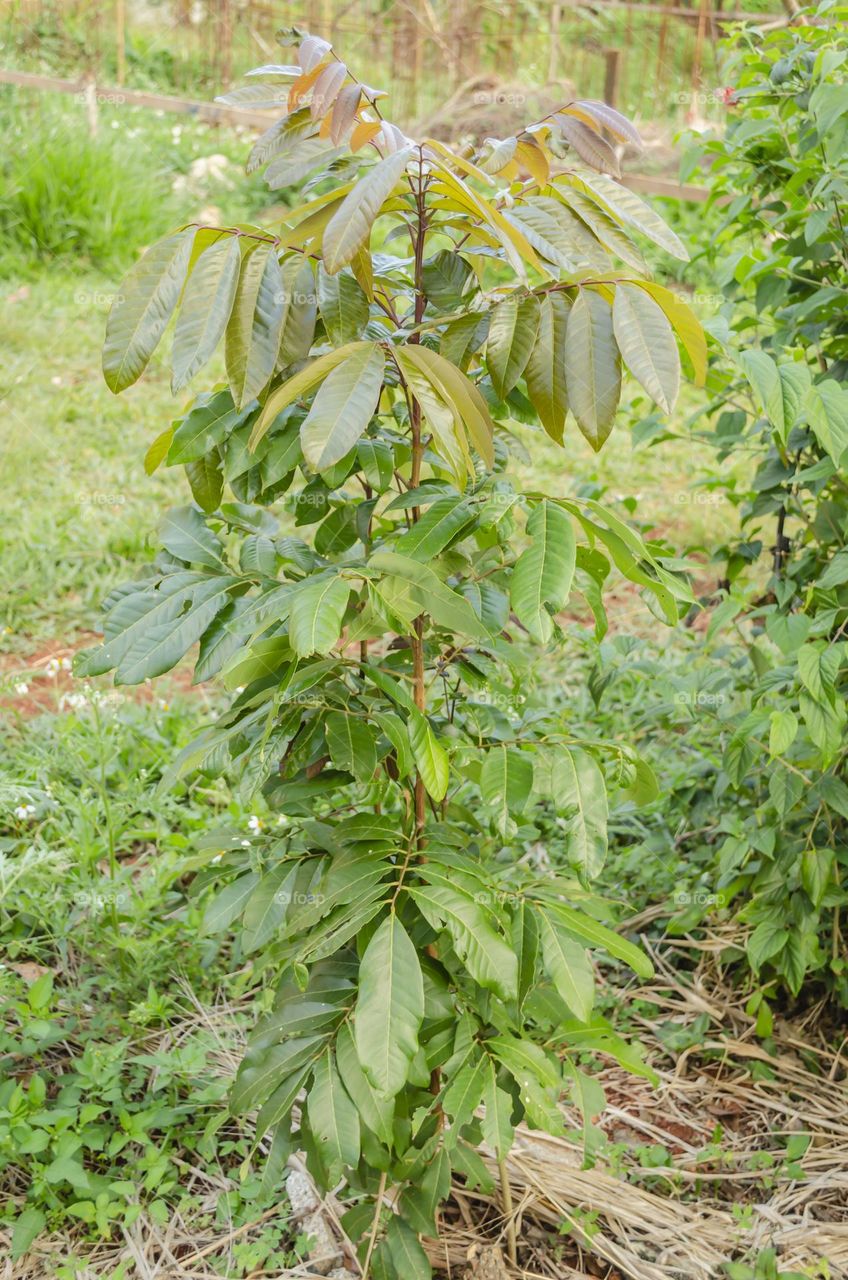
(300, 384)
(343, 306)
(253, 334)
(506, 780)
(568, 966)
(343, 407)
(488, 958)
(512, 335)
(544, 572)
(579, 785)
(545, 370)
(205, 310)
(647, 344)
(592, 366)
(389, 1007)
(141, 311)
(431, 759)
(333, 1118)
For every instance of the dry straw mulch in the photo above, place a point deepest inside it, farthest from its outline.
(723, 1195)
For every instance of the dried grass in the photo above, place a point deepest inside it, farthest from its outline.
(709, 1204)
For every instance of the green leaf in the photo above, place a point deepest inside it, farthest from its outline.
(597, 935)
(488, 959)
(267, 907)
(465, 1093)
(460, 393)
(253, 334)
(647, 344)
(187, 536)
(317, 609)
(155, 649)
(345, 403)
(431, 759)
(260, 1074)
(816, 871)
(522, 1057)
(782, 731)
(592, 366)
(543, 572)
(351, 744)
(497, 1126)
(578, 785)
(436, 529)
(208, 423)
(826, 407)
(545, 371)
(333, 1119)
(389, 1007)
(343, 307)
(512, 335)
(158, 451)
(206, 480)
(375, 1111)
(205, 310)
(445, 276)
(350, 226)
(298, 386)
(447, 607)
(227, 906)
(506, 780)
(28, 1227)
(627, 207)
(406, 1253)
(141, 310)
(568, 966)
(768, 938)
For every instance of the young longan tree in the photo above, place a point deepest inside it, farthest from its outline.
(431, 969)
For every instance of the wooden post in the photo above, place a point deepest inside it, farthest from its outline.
(612, 60)
(121, 40)
(553, 51)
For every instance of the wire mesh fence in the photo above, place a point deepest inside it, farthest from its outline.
(656, 60)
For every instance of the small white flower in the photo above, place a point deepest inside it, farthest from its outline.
(52, 668)
(245, 844)
(21, 689)
(66, 664)
(73, 701)
(24, 812)
(282, 820)
(254, 824)
(162, 704)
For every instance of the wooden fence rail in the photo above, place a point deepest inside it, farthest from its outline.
(214, 113)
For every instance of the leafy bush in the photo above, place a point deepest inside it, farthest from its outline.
(782, 400)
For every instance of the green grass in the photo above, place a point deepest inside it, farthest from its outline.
(94, 201)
